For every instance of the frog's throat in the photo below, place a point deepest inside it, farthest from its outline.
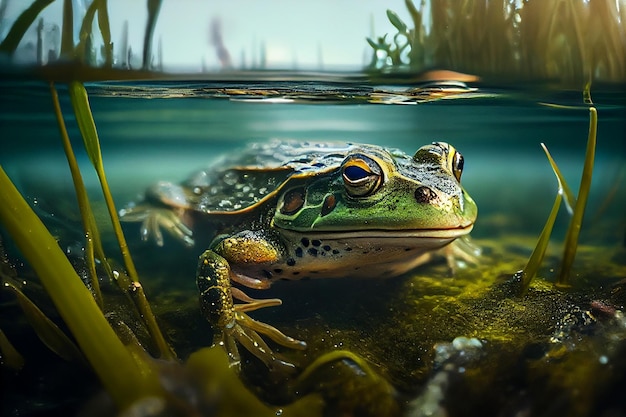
(451, 233)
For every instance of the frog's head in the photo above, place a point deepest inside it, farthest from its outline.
(375, 189)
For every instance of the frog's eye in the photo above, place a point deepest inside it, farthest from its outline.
(361, 176)
(457, 165)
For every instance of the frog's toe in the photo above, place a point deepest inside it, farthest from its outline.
(150, 230)
(245, 331)
(153, 219)
(251, 304)
(461, 252)
(172, 223)
(272, 332)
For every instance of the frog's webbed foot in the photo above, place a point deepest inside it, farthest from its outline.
(231, 321)
(247, 332)
(457, 254)
(461, 252)
(153, 217)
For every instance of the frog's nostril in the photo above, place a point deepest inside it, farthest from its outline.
(424, 195)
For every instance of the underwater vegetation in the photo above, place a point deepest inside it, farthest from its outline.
(488, 341)
(568, 42)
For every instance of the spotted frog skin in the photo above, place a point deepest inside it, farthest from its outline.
(295, 210)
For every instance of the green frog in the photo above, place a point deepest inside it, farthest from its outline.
(294, 210)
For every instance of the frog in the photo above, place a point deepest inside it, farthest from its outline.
(294, 210)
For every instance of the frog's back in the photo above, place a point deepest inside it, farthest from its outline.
(241, 181)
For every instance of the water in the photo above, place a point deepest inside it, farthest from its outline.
(153, 131)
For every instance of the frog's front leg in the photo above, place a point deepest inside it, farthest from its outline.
(230, 320)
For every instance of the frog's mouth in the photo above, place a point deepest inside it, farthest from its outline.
(450, 233)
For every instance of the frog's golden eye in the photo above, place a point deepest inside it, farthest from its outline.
(361, 175)
(457, 165)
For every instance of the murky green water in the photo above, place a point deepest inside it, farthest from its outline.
(165, 130)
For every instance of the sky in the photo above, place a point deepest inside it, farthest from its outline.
(320, 34)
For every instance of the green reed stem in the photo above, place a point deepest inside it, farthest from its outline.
(86, 124)
(587, 93)
(89, 223)
(105, 31)
(85, 32)
(11, 358)
(67, 29)
(99, 6)
(47, 331)
(373, 391)
(570, 200)
(21, 25)
(154, 6)
(573, 231)
(534, 262)
(126, 378)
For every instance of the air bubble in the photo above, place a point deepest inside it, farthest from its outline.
(231, 178)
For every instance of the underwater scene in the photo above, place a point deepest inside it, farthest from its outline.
(434, 230)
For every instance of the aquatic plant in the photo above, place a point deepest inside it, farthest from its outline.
(21, 25)
(576, 206)
(87, 127)
(564, 41)
(83, 51)
(128, 373)
(573, 231)
(125, 377)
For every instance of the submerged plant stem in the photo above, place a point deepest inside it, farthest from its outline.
(125, 377)
(87, 126)
(570, 200)
(89, 224)
(532, 266)
(534, 262)
(47, 331)
(573, 231)
(11, 358)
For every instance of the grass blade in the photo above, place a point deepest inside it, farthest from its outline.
(86, 124)
(9, 356)
(47, 331)
(570, 200)
(532, 266)
(84, 33)
(124, 377)
(105, 31)
(67, 29)
(573, 231)
(154, 6)
(21, 25)
(92, 236)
